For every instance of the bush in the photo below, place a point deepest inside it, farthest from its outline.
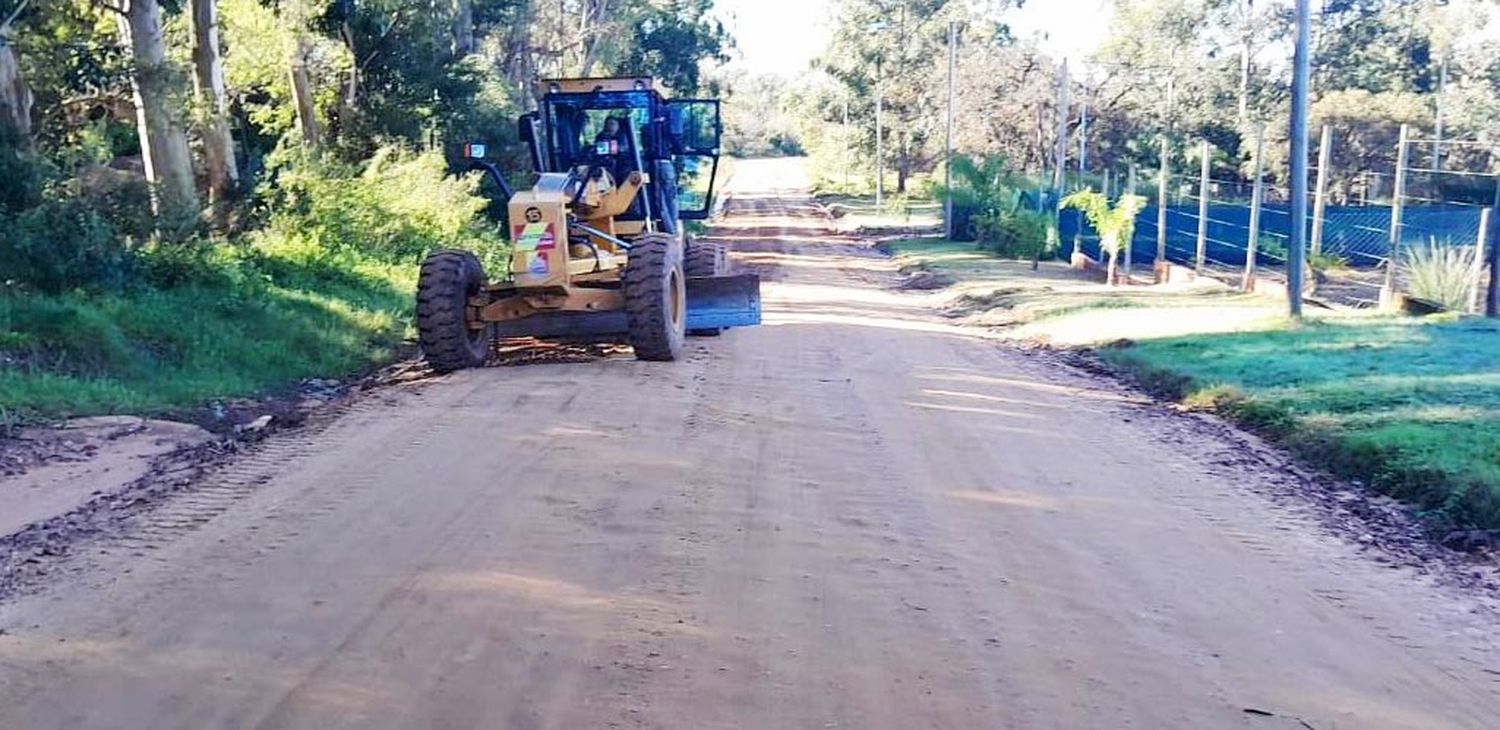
(60, 245)
(1443, 275)
(397, 206)
(1019, 234)
(990, 208)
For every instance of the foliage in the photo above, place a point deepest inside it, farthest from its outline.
(1114, 224)
(1442, 274)
(1019, 234)
(1000, 219)
(61, 244)
(672, 38)
(397, 206)
(1325, 261)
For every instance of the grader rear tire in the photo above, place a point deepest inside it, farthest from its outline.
(448, 279)
(655, 297)
(706, 259)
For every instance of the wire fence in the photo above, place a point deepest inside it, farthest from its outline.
(1217, 225)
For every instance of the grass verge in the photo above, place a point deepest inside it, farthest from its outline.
(250, 328)
(1410, 407)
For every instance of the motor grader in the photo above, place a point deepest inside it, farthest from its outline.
(598, 247)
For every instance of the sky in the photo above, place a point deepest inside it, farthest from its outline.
(784, 36)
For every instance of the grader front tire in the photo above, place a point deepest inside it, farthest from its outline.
(655, 297)
(448, 279)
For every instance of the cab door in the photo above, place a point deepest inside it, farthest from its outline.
(694, 130)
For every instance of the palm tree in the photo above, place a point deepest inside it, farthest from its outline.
(1114, 224)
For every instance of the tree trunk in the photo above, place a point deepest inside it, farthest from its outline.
(15, 95)
(1111, 273)
(164, 145)
(307, 111)
(463, 28)
(208, 87)
(593, 16)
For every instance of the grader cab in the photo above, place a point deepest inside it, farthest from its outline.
(598, 247)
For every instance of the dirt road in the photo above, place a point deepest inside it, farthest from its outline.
(855, 516)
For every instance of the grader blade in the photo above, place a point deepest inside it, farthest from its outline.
(715, 302)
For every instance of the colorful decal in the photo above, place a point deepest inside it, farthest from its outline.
(537, 262)
(535, 237)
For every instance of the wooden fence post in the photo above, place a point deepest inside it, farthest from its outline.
(1129, 245)
(1160, 266)
(1320, 194)
(1481, 255)
(1393, 253)
(1202, 211)
(1252, 242)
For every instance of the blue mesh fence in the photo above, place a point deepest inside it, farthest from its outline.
(1360, 234)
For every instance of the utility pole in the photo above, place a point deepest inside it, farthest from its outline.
(948, 145)
(844, 160)
(1297, 247)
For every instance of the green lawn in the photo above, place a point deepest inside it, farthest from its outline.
(158, 351)
(895, 211)
(1409, 406)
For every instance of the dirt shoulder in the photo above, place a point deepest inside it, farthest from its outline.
(1368, 402)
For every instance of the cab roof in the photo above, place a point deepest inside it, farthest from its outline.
(607, 83)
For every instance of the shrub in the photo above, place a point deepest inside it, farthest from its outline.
(1440, 274)
(1020, 234)
(397, 206)
(60, 245)
(994, 212)
(1325, 261)
(1115, 224)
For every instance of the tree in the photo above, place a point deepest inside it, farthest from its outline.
(15, 95)
(673, 39)
(164, 146)
(891, 48)
(213, 103)
(1114, 224)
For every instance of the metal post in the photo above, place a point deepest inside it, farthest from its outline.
(1160, 264)
(1437, 121)
(1083, 137)
(1257, 190)
(1129, 245)
(1202, 210)
(1060, 168)
(1393, 252)
(845, 159)
(1320, 193)
(1297, 246)
(1480, 255)
(879, 149)
(948, 145)
(1492, 299)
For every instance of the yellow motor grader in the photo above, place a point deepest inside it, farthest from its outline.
(598, 248)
